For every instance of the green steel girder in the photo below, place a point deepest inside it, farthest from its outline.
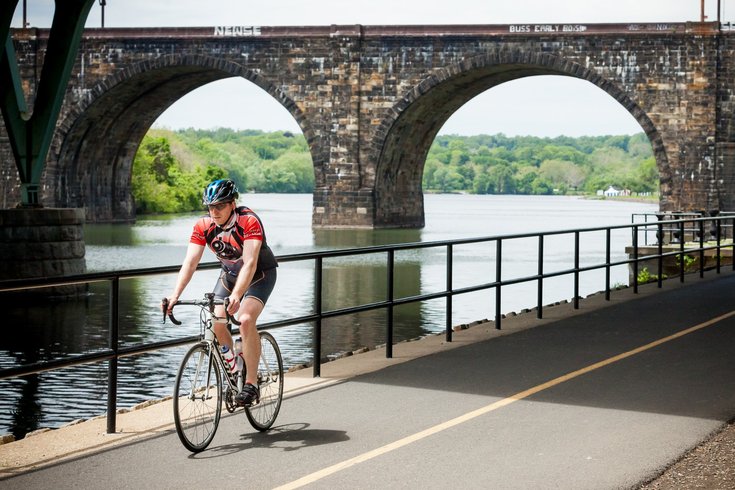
(30, 137)
(7, 9)
(12, 101)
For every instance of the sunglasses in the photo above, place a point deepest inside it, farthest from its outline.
(219, 206)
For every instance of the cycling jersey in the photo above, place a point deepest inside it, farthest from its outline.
(226, 241)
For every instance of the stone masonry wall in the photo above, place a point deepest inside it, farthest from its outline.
(725, 139)
(370, 100)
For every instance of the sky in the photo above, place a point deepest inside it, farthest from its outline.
(545, 106)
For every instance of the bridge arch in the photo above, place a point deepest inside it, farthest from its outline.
(98, 138)
(411, 126)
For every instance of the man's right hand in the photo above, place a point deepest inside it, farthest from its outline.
(168, 305)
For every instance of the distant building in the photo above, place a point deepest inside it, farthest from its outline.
(612, 192)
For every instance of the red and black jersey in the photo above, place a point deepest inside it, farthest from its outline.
(226, 241)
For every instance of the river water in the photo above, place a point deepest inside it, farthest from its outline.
(60, 329)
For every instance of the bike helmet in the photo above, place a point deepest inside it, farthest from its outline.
(220, 191)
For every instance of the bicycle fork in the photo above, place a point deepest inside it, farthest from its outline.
(198, 375)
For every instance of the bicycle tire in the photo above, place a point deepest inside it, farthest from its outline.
(270, 383)
(197, 398)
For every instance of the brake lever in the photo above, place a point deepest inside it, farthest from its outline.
(164, 303)
(230, 318)
(164, 308)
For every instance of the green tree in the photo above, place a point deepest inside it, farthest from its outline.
(647, 175)
(501, 179)
(447, 179)
(562, 174)
(159, 185)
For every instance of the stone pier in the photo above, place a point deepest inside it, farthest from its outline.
(42, 243)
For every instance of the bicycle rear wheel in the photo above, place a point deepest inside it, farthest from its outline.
(270, 382)
(197, 398)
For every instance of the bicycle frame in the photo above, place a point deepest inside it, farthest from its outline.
(234, 380)
(206, 334)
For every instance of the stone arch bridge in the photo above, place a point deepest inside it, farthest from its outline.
(371, 99)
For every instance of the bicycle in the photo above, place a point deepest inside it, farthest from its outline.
(204, 377)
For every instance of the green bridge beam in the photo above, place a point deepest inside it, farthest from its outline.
(6, 17)
(30, 137)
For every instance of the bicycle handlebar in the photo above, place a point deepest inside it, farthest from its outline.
(208, 302)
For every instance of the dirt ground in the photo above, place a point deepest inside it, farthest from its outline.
(711, 466)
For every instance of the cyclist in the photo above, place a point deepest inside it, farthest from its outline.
(236, 236)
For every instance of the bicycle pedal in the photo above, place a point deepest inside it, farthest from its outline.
(247, 405)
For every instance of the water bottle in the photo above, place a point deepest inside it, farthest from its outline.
(229, 358)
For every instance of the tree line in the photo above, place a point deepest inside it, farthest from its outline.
(171, 168)
(499, 164)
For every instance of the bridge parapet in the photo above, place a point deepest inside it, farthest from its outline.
(380, 31)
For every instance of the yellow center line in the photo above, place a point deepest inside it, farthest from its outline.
(361, 458)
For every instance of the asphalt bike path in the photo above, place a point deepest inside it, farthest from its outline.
(604, 399)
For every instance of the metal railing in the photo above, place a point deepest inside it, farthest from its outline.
(115, 351)
(670, 232)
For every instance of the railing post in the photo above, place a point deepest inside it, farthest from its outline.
(389, 326)
(498, 280)
(607, 263)
(114, 332)
(540, 298)
(718, 259)
(701, 249)
(576, 270)
(317, 348)
(635, 259)
(660, 258)
(681, 252)
(448, 326)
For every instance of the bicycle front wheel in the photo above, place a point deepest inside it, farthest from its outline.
(263, 414)
(197, 398)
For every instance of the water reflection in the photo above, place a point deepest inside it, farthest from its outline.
(337, 238)
(37, 332)
(109, 234)
(358, 281)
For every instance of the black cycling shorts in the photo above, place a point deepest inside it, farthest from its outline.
(260, 287)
